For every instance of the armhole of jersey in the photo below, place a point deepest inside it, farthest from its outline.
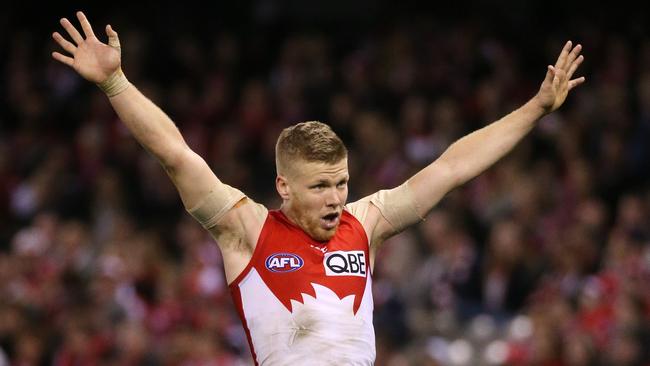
(256, 252)
(358, 211)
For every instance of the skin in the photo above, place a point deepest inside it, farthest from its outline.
(312, 190)
(303, 203)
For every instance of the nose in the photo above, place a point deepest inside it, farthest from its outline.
(333, 198)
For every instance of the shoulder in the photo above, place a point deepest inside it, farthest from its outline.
(366, 213)
(241, 224)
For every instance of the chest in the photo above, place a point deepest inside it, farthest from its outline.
(285, 256)
(291, 264)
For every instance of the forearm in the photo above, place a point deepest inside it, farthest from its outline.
(476, 152)
(150, 126)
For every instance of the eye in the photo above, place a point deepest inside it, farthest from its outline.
(318, 186)
(342, 184)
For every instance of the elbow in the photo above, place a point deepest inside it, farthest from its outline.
(175, 158)
(450, 172)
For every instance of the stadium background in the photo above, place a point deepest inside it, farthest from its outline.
(542, 260)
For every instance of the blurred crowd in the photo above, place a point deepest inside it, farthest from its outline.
(542, 260)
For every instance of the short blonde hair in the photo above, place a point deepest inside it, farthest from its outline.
(310, 141)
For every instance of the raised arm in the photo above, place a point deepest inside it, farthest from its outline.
(233, 220)
(474, 153)
(100, 63)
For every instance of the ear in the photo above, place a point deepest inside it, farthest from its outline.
(282, 186)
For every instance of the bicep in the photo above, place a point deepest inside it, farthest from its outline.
(192, 177)
(431, 184)
(204, 196)
(390, 211)
(386, 213)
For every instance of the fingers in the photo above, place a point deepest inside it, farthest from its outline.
(573, 55)
(64, 43)
(561, 60)
(567, 64)
(63, 59)
(575, 82)
(113, 39)
(574, 66)
(85, 25)
(72, 31)
(557, 78)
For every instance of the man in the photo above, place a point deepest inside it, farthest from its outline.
(300, 275)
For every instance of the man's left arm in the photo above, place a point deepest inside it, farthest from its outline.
(474, 153)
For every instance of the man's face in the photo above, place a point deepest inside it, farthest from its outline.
(315, 195)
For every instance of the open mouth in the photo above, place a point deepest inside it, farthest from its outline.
(330, 221)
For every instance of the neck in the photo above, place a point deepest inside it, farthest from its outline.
(295, 218)
(291, 215)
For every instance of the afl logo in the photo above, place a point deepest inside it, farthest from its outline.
(283, 262)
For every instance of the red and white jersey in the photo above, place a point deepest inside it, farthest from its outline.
(308, 303)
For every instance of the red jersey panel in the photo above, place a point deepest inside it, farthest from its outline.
(305, 302)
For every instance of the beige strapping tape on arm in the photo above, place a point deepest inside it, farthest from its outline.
(217, 203)
(397, 206)
(115, 84)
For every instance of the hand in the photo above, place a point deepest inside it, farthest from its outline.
(93, 60)
(558, 82)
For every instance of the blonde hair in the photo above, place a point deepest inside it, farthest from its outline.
(310, 141)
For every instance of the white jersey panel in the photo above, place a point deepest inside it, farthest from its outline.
(322, 330)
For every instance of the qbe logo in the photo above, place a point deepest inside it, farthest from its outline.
(342, 263)
(283, 262)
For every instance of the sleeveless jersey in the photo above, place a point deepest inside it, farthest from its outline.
(303, 302)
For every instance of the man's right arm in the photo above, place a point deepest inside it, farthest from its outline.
(231, 218)
(209, 200)
(100, 63)
(156, 132)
